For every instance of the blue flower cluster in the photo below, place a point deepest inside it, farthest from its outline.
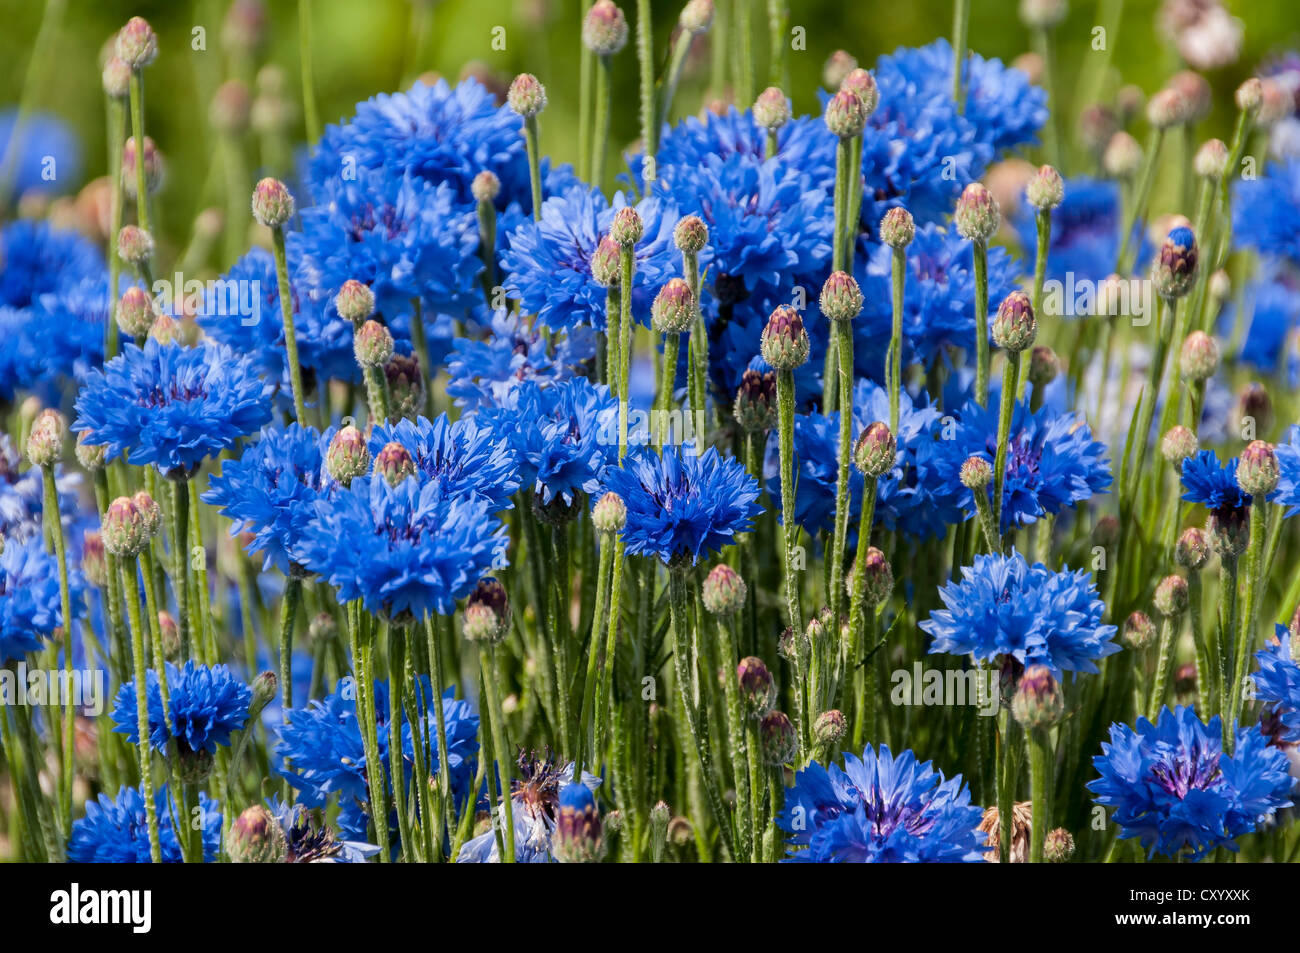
(114, 830)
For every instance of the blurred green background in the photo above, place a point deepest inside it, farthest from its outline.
(362, 47)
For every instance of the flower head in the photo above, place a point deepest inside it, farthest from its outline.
(115, 830)
(467, 458)
(30, 606)
(205, 705)
(1212, 485)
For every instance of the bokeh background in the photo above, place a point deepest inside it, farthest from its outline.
(363, 47)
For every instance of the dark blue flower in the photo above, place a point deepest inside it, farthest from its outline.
(1272, 308)
(204, 706)
(270, 489)
(410, 548)
(1211, 485)
(1277, 688)
(1288, 485)
(1266, 210)
(1174, 788)
(308, 843)
(880, 809)
(549, 261)
(36, 258)
(170, 405)
(30, 605)
(115, 830)
(485, 372)
(1005, 607)
(1052, 460)
(69, 328)
(468, 459)
(683, 505)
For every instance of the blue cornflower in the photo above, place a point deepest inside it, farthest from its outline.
(682, 506)
(68, 330)
(1003, 606)
(484, 373)
(571, 441)
(1288, 485)
(242, 310)
(36, 258)
(1211, 485)
(1175, 789)
(1277, 687)
(535, 802)
(410, 548)
(170, 405)
(308, 844)
(115, 830)
(46, 144)
(1052, 460)
(404, 237)
(878, 810)
(204, 706)
(938, 298)
(270, 489)
(467, 458)
(549, 261)
(1272, 308)
(30, 607)
(1086, 228)
(21, 496)
(1266, 210)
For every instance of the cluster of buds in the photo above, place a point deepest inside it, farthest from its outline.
(127, 527)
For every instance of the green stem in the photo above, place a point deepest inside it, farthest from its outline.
(502, 746)
(960, 25)
(132, 589)
(286, 312)
(600, 137)
(737, 741)
(982, 356)
(1250, 611)
(533, 145)
(440, 727)
(1164, 665)
(1010, 375)
(785, 423)
(1040, 782)
(137, 132)
(180, 562)
(309, 111)
(54, 520)
(646, 68)
(1137, 211)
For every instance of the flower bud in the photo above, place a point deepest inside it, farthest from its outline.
(609, 515)
(845, 115)
(134, 245)
(1276, 104)
(244, 29)
(604, 31)
(1097, 123)
(117, 78)
(1258, 472)
(265, 688)
(348, 456)
(137, 44)
(94, 564)
(841, 298)
(1169, 107)
(1139, 631)
(1174, 269)
(724, 591)
(150, 512)
(1229, 531)
(875, 450)
(577, 838)
(527, 96)
(230, 108)
(272, 204)
(691, 235)
(838, 66)
(977, 217)
(784, 343)
(1178, 444)
(757, 690)
(1015, 327)
(696, 16)
(1058, 848)
(897, 228)
(1042, 14)
(123, 529)
(772, 109)
(1250, 95)
(862, 84)
(755, 407)
(1254, 404)
(487, 612)
(355, 302)
(976, 473)
(91, 456)
(879, 578)
(829, 728)
(674, 308)
(1043, 366)
(257, 838)
(1106, 531)
(660, 815)
(1196, 93)
(627, 227)
(1122, 157)
(405, 385)
(1171, 597)
(605, 263)
(1046, 190)
(1199, 357)
(1192, 549)
(1037, 703)
(778, 740)
(373, 345)
(1211, 160)
(45, 439)
(394, 463)
(485, 187)
(135, 312)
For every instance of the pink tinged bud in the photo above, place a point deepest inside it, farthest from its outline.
(1037, 703)
(230, 108)
(1257, 469)
(1276, 103)
(1174, 269)
(897, 229)
(170, 636)
(117, 77)
(1042, 14)
(137, 44)
(123, 529)
(348, 456)
(1250, 95)
(977, 217)
(405, 384)
(1169, 107)
(134, 245)
(875, 450)
(772, 109)
(244, 29)
(674, 308)
(485, 187)
(373, 345)
(1211, 160)
(1196, 92)
(1192, 549)
(696, 16)
(627, 227)
(878, 578)
(256, 838)
(976, 473)
(838, 66)
(862, 84)
(355, 301)
(135, 312)
(1199, 357)
(841, 298)
(1044, 365)
(45, 439)
(777, 735)
(609, 515)
(605, 263)
(845, 115)
(1097, 123)
(755, 407)
(527, 96)
(1178, 444)
(604, 31)
(784, 343)
(830, 727)
(1122, 157)
(1015, 327)
(1045, 190)
(91, 456)
(1170, 599)
(757, 689)
(1139, 631)
(153, 167)
(272, 204)
(724, 591)
(394, 463)
(93, 562)
(691, 235)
